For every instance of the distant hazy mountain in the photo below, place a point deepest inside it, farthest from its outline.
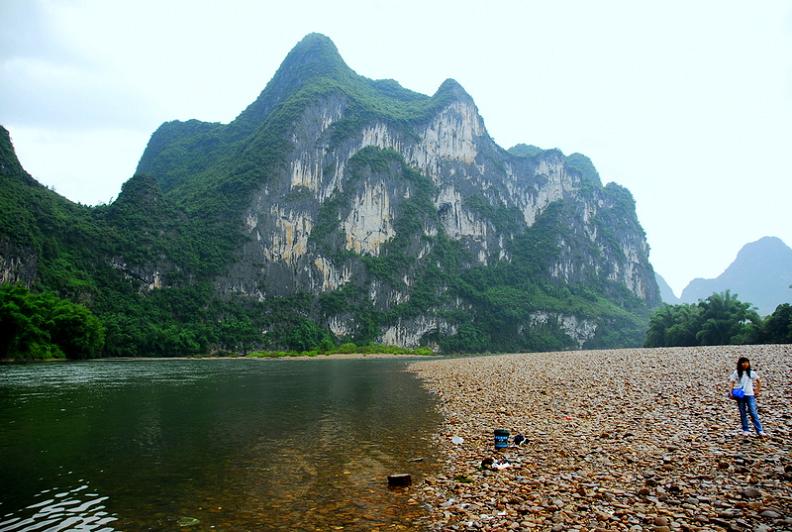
(666, 294)
(761, 274)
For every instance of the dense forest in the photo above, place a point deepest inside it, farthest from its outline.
(46, 326)
(720, 319)
(43, 326)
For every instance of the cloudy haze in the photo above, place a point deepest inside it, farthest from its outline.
(687, 104)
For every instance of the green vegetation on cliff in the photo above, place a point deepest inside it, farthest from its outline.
(499, 298)
(156, 266)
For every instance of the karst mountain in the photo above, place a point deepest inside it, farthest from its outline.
(336, 208)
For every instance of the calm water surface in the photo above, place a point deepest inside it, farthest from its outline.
(211, 445)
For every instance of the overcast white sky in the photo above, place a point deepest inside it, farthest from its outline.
(687, 104)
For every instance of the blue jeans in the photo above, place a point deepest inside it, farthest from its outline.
(748, 406)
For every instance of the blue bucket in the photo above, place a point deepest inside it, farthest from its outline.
(501, 438)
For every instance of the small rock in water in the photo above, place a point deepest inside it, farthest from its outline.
(457, 440)
(185, 522)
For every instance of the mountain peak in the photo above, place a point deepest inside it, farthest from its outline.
(8, 158)
(766, 244)
(314, 41)
(313, 57)
(452, 87)
(9, 162)
(315, 53)
(761, 274)
(666, 293)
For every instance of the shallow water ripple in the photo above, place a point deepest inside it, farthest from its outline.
(74, 509)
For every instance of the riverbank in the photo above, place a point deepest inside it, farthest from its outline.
(634, 439)
(335, 356)
(343, 356)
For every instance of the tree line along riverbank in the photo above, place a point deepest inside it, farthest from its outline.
(42, 325)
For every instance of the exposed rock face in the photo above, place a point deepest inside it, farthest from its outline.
(365, 196)
(458, 221)
(289, 239)
(409, 333)
(308, 158)
(17, 266)
(147, 279)
(578, 330)
(370, 222)
(331, 277)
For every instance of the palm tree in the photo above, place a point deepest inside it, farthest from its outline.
(726, 320)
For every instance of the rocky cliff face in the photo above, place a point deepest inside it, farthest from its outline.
(374, 182)
(17, 265)
(377, 214)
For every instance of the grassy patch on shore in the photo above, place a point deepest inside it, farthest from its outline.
(347, 349)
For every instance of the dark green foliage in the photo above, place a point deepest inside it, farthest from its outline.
(178, 150)
(576, 161)
(726, 320)
(468, 339)
(721, 319)
(506, 219)
(674, 325)
(525, 150)
(583, 164)
(777, 327)
(346, 349)
(46, 326)
(290, 326)
(620, 217)
(505, 297)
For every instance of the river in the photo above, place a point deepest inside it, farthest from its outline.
(211, 445)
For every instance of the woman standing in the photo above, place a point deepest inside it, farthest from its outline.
(745, 387)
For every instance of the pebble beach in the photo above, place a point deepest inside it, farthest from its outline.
(631, 439)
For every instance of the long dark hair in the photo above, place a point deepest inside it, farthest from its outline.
(739, 367)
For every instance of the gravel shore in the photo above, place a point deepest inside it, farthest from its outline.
(634, 439)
